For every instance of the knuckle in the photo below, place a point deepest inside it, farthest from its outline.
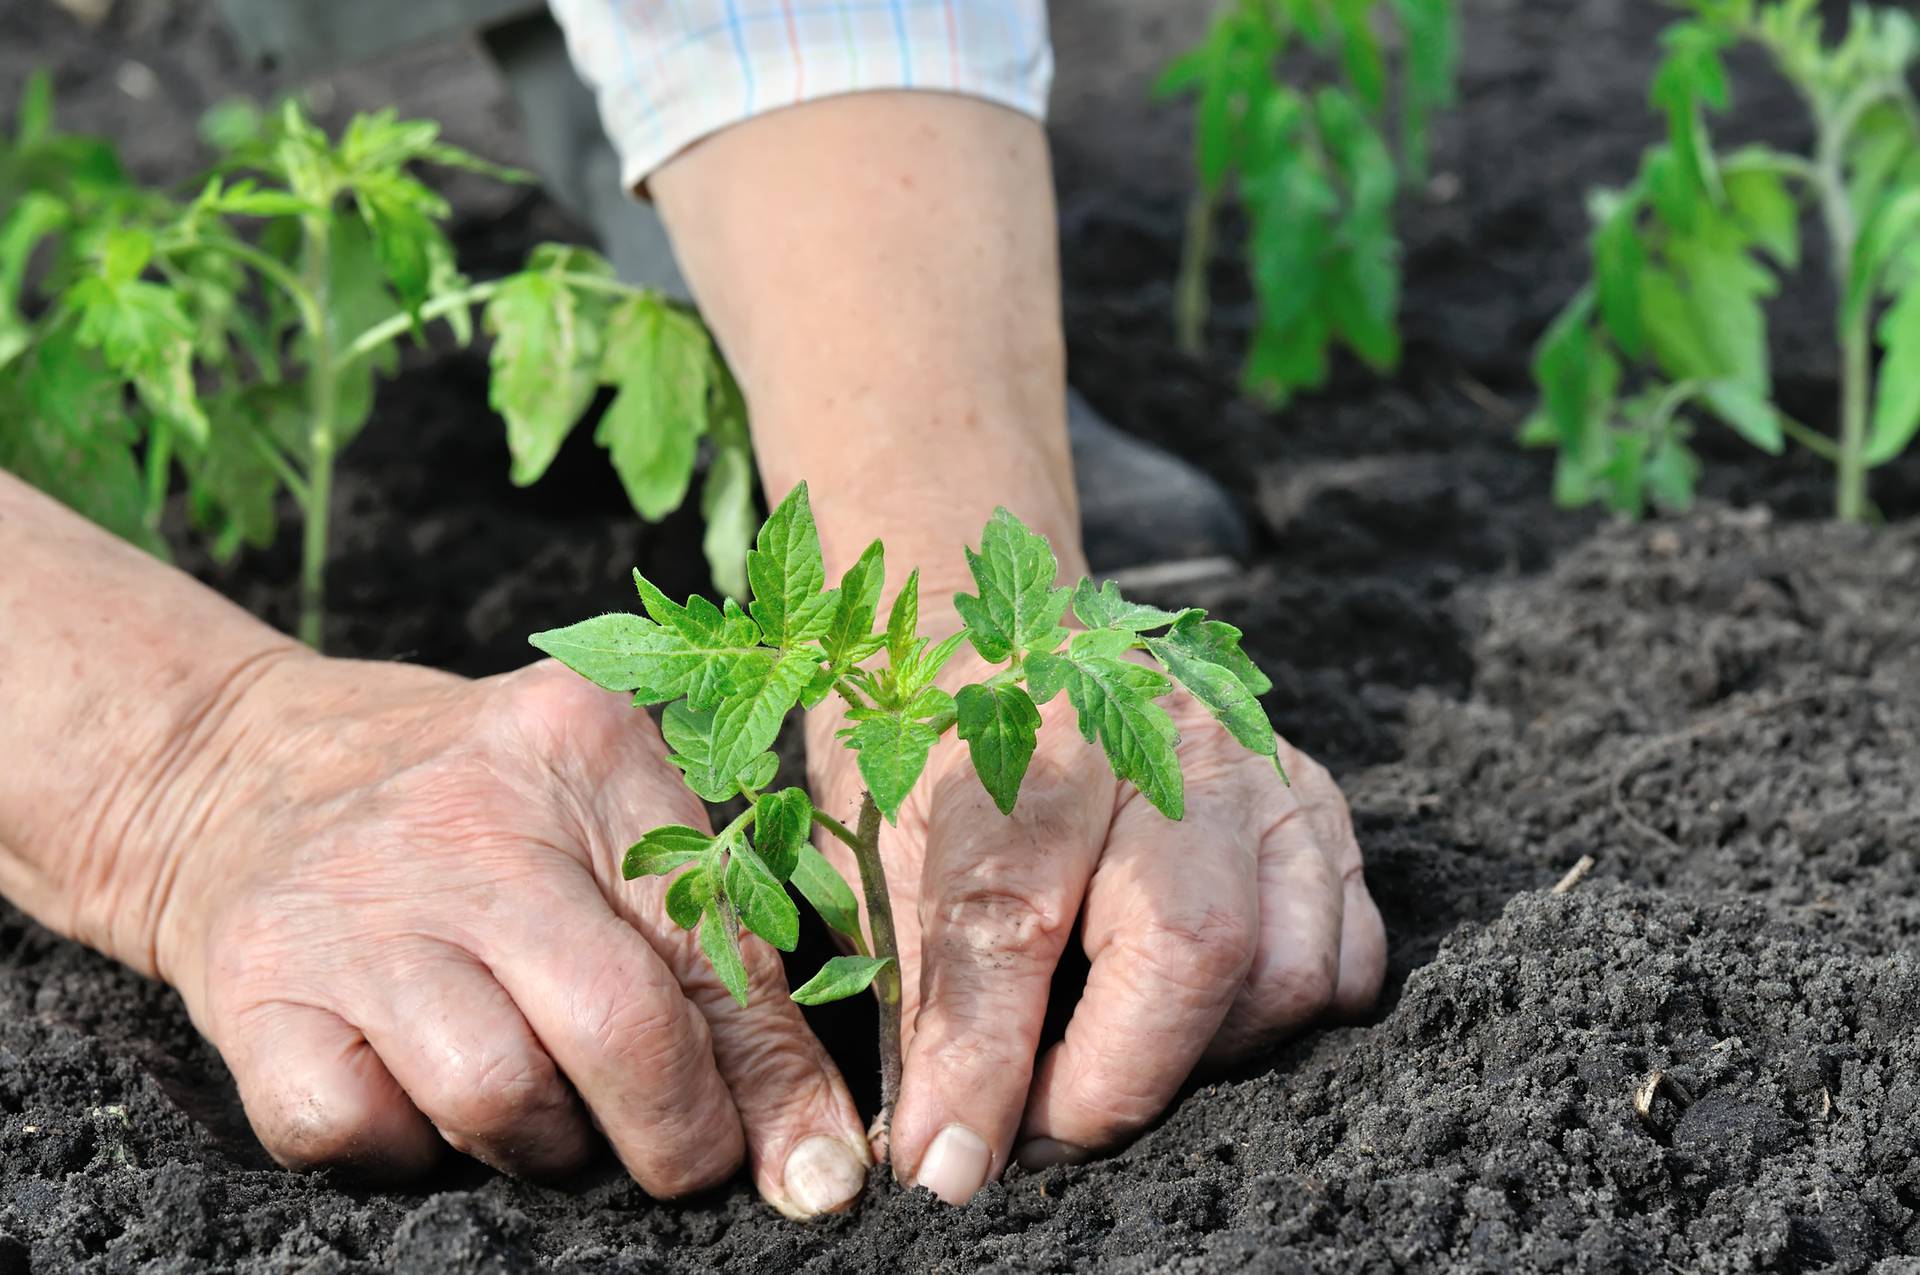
(650, 1031)
(1202, 950)
(1292, 988)
(307, 1132)
(978, 917)
(493, 1093)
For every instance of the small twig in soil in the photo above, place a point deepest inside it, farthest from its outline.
(1574, 876)
(1649, 1092)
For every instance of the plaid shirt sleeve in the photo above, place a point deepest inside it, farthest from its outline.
(669, 72)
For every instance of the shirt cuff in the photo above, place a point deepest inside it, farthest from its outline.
(669, 72)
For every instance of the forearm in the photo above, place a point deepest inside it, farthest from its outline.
(119, 676)
(881, 271)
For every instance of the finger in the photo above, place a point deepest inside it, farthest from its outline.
(1296, 970)
(460, 1048)
(1171, 924)
(1363, 950)
(998, 899)
(318, 1095)
(609, 1011)
(805, 1144)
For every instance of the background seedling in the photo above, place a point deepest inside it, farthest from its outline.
(1673, 326)
(1313, 169)
(238, 335)
(729, 676)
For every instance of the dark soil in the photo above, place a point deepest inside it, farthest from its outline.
(1722, 710)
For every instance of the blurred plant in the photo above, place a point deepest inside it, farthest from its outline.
(1314, 171)
(1673, 327)
(251, 358)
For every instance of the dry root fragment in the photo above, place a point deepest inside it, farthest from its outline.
(1649, 1093)
(1575, 875)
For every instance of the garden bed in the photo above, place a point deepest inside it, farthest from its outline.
(1722, 710)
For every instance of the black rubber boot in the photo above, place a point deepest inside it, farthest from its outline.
(1144, 513)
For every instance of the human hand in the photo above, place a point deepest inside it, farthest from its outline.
(1208, 939)
(401, 921)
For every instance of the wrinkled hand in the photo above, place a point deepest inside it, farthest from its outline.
(404, 925)
(1208, 938)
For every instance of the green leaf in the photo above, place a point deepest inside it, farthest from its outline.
(401, 215)
(903, 622)
(893, 751)
(1218, 687)
(1114, 701)
(543, 362)
(782, 824)
(724, 749)
(689, 895)
(1671, 471)
(1761, 200)
(826, 892)
(1104, 608)
(660, 360)
(726, 504)
(663, 850)
(759, 898)
(849, 637)
(1018, 607)
(788, 575)
(1000, 726)
(1619, 258)
(705, 657)
(721, 943)
(841, 977)
(1047, 675)
(1218, 642)
(1750, 414)
(1896, 399)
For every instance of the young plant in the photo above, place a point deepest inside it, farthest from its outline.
(1673, 327)
(728, 678)
(1313, 170)
(251, 321)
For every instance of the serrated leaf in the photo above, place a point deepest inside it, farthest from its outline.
(1018, 607)
(1001, 727)
(849, 637)
(1750, 414)
(663, 850)
(1671, 471)
(1619, 258)
(622, 652)
(1896, 398)
(660, 361)
(1047, 675)
(543, 364)
(782, 824)
(924, 664)
(826, 892)
(759, 898)
(721, 750)
(1218, 687)
(1114, 701)
(903, 621)
(788, 575)
(1218, 642)
(892, 753)
(720, 941)
(689, 895)
(1759, 197)
(841, 977)
(1104, 608)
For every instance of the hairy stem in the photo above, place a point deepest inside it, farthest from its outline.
(323, 388)
(1190, 300)
(865, 844)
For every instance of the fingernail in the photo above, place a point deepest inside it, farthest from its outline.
(955, 1164)
(823, 1174)
(1044, 1153)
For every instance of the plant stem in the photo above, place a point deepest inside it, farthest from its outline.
(159, 464)
(865, 844)
(1850, 498)
(471, 295)
(1190, 300)
(1850, 493)
(323, 388)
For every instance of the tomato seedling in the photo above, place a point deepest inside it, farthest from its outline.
(728, 677)
(1313, 170)
(252, 320)
(1673, 324)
